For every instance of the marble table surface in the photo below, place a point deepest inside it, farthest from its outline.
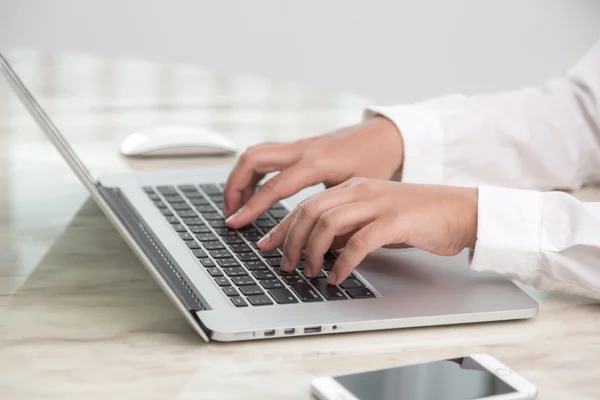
(81, 318)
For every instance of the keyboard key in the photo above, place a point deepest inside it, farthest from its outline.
(262, 300)
(243, 281)
(266, 224)
(283, 296)
(160, 204)
(272, 284)
(193, 221)
(238, 302)
(181, 206)
(293, 280)
(192, 244)
(239, 247)
(207, 262)
(220, 253)
(228, 262)
(256, 266)
(212, 216)
(199, 201)
(148, 189)
(277, 206)
(230, 291)
(248, 229)
(306, 293)
(248, 257)
(213, 245)
(210, 188)
(200, 229)
(216, 197)
(200, 254)
(285, 273)
(214, 272)
(278, 214)
(206, 237)
(360, 293)
(319, 275)
(351, 284)
(261, 275)
(217, 223)
(167, 190)
(186, 213)
(173, 220)
(205, 208)
(179, 228)
(166, 212)
(252, 290)
(230, 240)
(174, 199)
(264, 217)
(274, 262)
(187, 188)
(328, 265)
(222, 281)
(269, 254)
(328, 291)
(228, 232)
(186, 236)
(253, 236)
(194, 195)
(237, 271)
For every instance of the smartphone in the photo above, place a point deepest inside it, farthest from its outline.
(475, 377)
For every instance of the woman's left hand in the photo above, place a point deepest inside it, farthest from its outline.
(363, 215)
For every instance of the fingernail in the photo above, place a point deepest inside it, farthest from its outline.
(331, 278)
(285, 264)
(265, 240)
(235, 215)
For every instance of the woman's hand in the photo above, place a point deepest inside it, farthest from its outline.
(362, 215)
(372, 149)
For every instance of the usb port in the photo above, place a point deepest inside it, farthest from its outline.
(289, 331)
(270, 333)
(312, 329)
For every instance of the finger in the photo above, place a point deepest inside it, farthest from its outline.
(368, 239)
(284, 184)
(249, 191)
(258, 160)
(336, 222)
(276, 237)
(307, 217)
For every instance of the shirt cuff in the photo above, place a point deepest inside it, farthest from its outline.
(423, 138)
(508, 232)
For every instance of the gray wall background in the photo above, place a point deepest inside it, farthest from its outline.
(393, 51)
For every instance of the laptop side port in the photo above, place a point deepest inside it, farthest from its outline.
(312, 329)
(270, 333)
(289, 331)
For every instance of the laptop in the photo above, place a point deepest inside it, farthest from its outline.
(228, 290)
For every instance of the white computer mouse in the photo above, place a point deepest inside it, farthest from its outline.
(176, 141)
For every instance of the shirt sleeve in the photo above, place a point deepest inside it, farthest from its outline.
(544, 137)
(548, 240)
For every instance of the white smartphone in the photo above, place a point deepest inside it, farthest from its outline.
(475, 377)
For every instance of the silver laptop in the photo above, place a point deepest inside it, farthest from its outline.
(228, 290)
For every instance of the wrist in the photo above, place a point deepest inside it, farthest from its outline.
(390, 136)
(472, 211)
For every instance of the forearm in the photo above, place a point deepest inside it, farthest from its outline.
(548, 240)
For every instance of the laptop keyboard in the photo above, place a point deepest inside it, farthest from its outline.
(245, 274)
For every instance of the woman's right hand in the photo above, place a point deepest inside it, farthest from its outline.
(371, 149)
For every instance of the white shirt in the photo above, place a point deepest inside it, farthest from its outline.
(538, 138)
